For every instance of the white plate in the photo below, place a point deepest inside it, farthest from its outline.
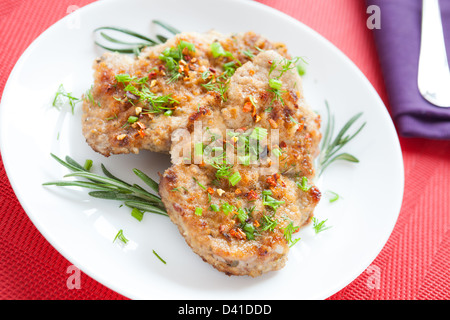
(82, 228)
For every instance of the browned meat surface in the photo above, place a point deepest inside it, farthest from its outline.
(239, 217)
(108, 107)
(250, 245)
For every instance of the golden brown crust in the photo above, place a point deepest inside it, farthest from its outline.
(218, 237)
(105, 115)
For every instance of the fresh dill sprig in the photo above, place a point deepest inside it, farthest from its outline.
(62, 97)
(268, 223)
(90, 98)
(331, 146)
(319, 226)
(288, 231)
(137, 88)
(283, 66)
(217, 86)
(110, 187)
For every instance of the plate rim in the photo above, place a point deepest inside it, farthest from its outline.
(123, 291)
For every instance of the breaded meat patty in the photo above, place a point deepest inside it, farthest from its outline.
(240, 184)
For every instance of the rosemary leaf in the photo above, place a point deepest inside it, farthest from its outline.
(114, 40)
(111, 188)
(125, 50)
(145, 207)
(331, 146)
(83, 184)
(72, 162)
(161, 38)
(128, 32)
(167, 27)
(113, 195)
(66, 164)
(110, 175)
(148, 181)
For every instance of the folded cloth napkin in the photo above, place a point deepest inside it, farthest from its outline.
(398, 46)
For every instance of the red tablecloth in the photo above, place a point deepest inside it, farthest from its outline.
(415, 262)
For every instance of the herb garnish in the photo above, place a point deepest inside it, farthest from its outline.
(138, 88)
(319, 226)
(331, 146)
(172, 57)
(304, 185)
(112, 188)
(217, 86)
(137, 45)
(157, 255)
(198, 211)
(62, 97)
(335, 196)
(268, 223)
(268, 200)
(121, 237)
(288, 231)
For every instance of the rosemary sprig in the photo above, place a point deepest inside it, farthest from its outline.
(140, 42)
(112, 188)
(331, 146)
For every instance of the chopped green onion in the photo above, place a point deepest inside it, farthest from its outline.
(217, 50)
(235, 178)
(184, 44)
(304, 185)
(215, 207)
(168, 113)
(157, 255)
(249, 230)
(227, 208)
(198, 211)
(242, 215)
(136, 213)
(132, 119)
(88, 164)
(275, 84)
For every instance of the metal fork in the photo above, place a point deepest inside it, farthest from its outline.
(434, 72)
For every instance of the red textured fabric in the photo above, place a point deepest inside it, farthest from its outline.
(414, 264)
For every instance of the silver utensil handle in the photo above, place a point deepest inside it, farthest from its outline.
(434, 73)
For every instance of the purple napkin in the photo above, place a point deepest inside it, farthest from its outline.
(398, 46)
